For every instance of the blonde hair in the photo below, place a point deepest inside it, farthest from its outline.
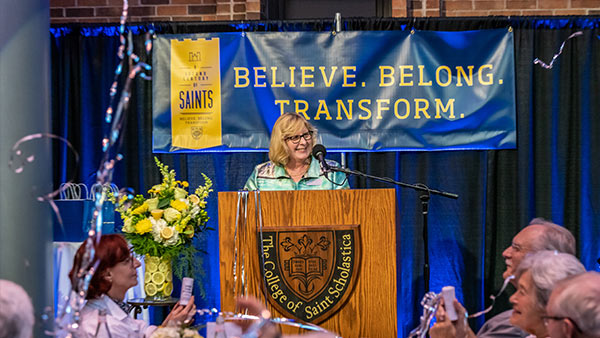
(288, 124)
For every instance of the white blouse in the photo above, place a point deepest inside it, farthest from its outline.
(117, 321)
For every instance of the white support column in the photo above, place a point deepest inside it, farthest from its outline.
(25, 223)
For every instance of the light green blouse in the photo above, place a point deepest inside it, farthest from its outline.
(269, 176)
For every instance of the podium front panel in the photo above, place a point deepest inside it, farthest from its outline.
(370, 308)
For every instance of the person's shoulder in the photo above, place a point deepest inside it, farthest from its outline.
(500, 326)
(267, 169)
(89, 318)
(94, 304)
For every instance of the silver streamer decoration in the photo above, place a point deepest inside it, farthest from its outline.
(261, 321)
(67, 322)
(240, 289)
(19, 159)
(551, 64)
(431, 302)
(259, 219)
(239, 237)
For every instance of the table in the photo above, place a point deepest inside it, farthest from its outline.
(138, 303)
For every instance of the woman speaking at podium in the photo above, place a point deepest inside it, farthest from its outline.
(291, 165)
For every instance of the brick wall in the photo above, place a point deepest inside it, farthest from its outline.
(66, 11)
(499, 7)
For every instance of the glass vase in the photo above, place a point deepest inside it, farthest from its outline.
(158, 278)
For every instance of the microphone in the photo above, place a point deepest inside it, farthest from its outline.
(319, 153)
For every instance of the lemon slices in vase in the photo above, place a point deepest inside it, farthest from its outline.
(158, 278)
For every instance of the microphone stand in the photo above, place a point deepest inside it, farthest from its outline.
(425, 193)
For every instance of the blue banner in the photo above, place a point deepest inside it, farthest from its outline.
(363, 90)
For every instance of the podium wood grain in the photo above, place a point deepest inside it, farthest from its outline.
(371, 309)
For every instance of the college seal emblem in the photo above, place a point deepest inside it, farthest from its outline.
(309, 272)
(197, 132)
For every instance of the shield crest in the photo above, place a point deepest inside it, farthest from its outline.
(309, 272)
(197, 132)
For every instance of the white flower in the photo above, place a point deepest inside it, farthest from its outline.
(174, 332)
(157, 226)
(195, 210)
(166, 332)
(173, 240)
(188, 333)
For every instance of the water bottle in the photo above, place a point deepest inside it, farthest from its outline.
(220, 327)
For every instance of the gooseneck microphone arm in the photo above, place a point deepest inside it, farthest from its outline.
(319, 152)
(425, 192)
(418, 187)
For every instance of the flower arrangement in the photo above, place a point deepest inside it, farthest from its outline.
(174, 332)
(164, 225)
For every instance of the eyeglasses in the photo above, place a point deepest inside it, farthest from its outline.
(547, 320)
(130, 259)
(296, 138)
(127, 261)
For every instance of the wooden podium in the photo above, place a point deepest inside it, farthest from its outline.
(370, 309)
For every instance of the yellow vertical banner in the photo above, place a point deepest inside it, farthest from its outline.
(195, 93)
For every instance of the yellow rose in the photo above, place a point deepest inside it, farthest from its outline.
(152, 203)
(171, 215)
(185, 184)
(143, 226)
(141, 209)
(179, 205)
(180, 193)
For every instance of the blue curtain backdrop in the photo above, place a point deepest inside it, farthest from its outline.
(554, 172)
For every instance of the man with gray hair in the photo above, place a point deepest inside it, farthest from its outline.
(573, 310)
(538, 235)
(16, 311)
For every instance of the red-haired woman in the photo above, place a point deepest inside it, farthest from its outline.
(116, 273)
